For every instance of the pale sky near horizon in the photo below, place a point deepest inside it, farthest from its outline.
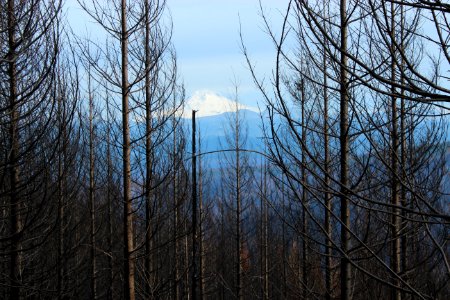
(206, 39)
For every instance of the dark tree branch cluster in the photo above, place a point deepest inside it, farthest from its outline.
(363, 96)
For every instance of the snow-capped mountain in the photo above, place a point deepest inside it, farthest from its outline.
(214, 118)
(208, 103)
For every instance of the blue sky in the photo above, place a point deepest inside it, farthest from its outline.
(206, 39)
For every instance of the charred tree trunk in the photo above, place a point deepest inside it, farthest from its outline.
(110, 208)
(327, 181)
(265, 234)
(238, 241)
(15, 219)
(194, 213)
(148, 157)
(62, 153)
(344, 156)
(283, 232)
(395, 196)
(305, 258)
(201, 219)
(93, 263)
(403, 149)
(176, 211)
(129, 263)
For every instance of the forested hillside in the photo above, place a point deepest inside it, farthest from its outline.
(111, 188)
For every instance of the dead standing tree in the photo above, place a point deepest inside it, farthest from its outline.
(342, 42)
(119, 20)
(29, 38)
(146, 80)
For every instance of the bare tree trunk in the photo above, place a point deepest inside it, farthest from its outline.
(222, 250)
(15, 225)
(305, 258)
(403, 150)
(194, 213)
(261, 229)
(148, 157)
(129, 263)
(110, 208)
(93, 282)
(328, 208)
(395, 197)
(177, 291)
(283, 230)
(344, 154)
(238, 210)
(265, 233)
(61, 193)
(201, 218)
(403, 201)
(187, 263)
(77, 253)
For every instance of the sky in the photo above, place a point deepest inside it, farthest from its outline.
(206, 38)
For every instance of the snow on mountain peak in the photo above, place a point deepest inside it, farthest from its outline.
(208, 103)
